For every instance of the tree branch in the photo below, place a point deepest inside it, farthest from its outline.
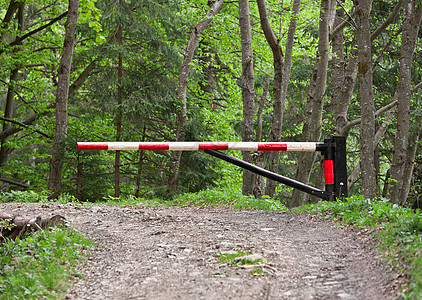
(82, 77)
(379, 111)
(23, 125)
(387, 21)
(377, 61)
(14, 182)
(20, 39)
(31, 119)
(13, 6)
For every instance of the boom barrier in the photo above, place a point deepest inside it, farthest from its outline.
(333, 150)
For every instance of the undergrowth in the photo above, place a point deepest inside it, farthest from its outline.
(34, 197)
(228, 199)
(397, 230)
(40, 265)
(238, 258)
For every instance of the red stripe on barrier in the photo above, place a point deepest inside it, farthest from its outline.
(272, 147)
(92, 146)
(329, 171)
(214, 146)
(154, 146)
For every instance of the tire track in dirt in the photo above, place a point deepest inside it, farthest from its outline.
(171, 253)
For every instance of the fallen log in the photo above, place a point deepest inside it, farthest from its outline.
(15, 226)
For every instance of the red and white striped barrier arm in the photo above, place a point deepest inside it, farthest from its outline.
(195, 146)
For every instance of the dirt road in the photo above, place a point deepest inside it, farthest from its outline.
(172, 253)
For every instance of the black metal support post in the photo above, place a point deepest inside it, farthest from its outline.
(260, 171)
(340, 166)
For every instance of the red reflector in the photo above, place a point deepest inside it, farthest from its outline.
(329, 171)
(91, 146)
(272, 147)
(214, 146)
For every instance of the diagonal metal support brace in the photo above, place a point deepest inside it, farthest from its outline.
(263, 172)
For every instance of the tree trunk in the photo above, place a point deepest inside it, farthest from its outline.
(367, 128)
(315, 102)
(411, 23)
(259, 181)
(62, 93)
(281, 80)
(182, 117)
(19, 225)
(337, 62)
(119, 113)
(377, 138)
(140, 163)
(12, 8)
(9, 113)
(248, 91)
(9, 110)
(343, 102)
(79, 179)
(409, 167)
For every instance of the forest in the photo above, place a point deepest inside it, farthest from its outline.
(166, 70)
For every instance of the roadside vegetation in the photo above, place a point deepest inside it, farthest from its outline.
(41, 265)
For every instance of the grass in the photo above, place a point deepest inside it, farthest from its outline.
(240, 258)
(40, 265)
(228, 199)
(230, 258)
(397, 230)
(34, 197)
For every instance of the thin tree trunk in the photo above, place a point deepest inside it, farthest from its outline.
(282, 67)
(9, 113)
(261, 106)
(119, 113)
(411, 23)
(315, 102)
(248, 91)
(62, 94)
(259, 181)
(9, 110)
(79, 179)
(182, 117)
(350, 77)
(140, 163)
(409, 167)
(366, 94)
(12, 8)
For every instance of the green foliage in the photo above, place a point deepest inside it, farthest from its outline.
(23, 197)
(131, 200)
(34, 197)
(230, 199)
(231, 258)
(398, 231)
(40, 266)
